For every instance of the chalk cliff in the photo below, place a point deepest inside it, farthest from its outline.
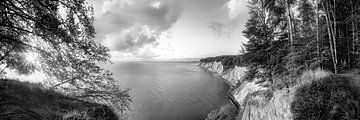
(233, 75)
(257, 102)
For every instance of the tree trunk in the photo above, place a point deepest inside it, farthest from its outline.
(317, 32)
(290, 23)
(334, 35)
(330, 37)
(356, 36)
(353, 35)
(353, 32)
(353, 26)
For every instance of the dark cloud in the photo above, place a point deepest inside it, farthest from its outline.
(130, 39)
(129, 25)
(220, 29)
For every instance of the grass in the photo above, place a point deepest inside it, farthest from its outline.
(30, 101)
(330, 98)
(226, 112)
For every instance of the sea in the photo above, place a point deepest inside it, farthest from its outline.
(169, 90)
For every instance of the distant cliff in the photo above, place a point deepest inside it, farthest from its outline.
(256, 100)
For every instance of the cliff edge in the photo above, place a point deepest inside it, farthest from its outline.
(256, 100)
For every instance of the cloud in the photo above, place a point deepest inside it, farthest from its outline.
(138, 43)
(236, 8)
(222, 29)
(237, 13)
(130, 39)
(127, 26)
(146, 52)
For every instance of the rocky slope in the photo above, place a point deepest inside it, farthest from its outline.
(257, 102)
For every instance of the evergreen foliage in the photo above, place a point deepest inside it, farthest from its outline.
(228, 61)
(322, 34)
(289, 37)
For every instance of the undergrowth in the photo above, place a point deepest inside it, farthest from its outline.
(329, 98)
(30, 101)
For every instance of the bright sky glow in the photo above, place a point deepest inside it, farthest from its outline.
(170, 29)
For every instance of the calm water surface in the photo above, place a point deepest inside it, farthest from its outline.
(170, 90)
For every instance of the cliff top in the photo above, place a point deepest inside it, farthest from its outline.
(228, 61)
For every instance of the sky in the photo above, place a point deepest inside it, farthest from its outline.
(169, 29)
(165, 29)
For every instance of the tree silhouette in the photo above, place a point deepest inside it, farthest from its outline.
(61, 35)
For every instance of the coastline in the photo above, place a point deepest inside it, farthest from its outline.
(229, 92)
(255, 101)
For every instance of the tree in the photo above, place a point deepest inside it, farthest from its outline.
(268, 43)
(60, 34)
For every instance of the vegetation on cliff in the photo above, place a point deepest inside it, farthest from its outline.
(29, 101)
(226, 112)
(228, 61)
(330, 98)
(289, 37)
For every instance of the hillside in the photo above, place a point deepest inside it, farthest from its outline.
(30, 101)
(261, 99)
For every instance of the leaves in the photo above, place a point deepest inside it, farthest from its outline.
(62, 33)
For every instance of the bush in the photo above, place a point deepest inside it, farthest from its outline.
(259, 98)
(226, 112)
(311, 75)
(330, 98)
(30, 101)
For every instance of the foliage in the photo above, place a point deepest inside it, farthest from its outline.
(228, 61)
(259, 98)
(29, 101)
(330, 98)
(312, 75)
(267, 45)
(226, 112)
(60, 34)
(287, 38)
(325, 36)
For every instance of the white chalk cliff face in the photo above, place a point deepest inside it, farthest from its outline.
(275, 108)
(233, 75)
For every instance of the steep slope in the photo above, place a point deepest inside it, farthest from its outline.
(29, 101)
(257, 102)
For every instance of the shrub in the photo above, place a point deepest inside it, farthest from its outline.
(330, 98)
(29, 101)
(259, 98)
(311, 75)
(226, 112)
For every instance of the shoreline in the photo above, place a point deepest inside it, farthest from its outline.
(229, 93)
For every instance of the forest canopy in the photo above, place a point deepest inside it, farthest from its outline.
(288, 37)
